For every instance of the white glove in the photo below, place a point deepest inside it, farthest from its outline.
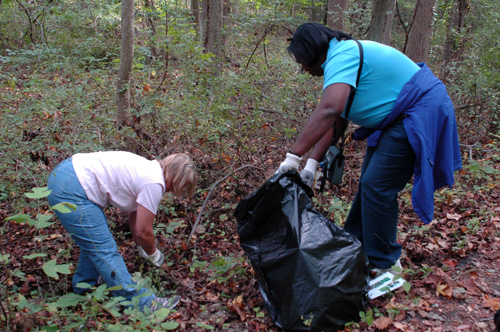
(157, 258)
(308, 174)
(291, 163)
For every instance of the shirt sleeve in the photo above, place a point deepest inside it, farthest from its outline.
(150, 196)
(342, 65)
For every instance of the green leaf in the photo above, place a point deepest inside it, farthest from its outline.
(115, 288)
(52, 269)
(69, 300)
(20, 218)
(83, 285)
(39, 193)
(64, 207)
(170, 325)
(42, 221)
(34, 256)
(4, 258)
(50, 328)
(100, 291)
(406, 286)
(162, 313)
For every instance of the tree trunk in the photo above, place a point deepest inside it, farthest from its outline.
(195, 11)
(381, 22)
(203, 16)
(213, 37)
(452, 48)
(151, 18)
(418, 42)
(317, 13)
(337, 10)
(126, 58)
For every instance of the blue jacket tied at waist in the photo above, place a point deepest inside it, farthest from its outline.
(432, 132)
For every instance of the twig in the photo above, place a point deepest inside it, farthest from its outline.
(80, 329)
(198, 219)
(470, 147)
(7, 317)
(266, 31)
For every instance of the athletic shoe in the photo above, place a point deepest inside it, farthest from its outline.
(164, 302)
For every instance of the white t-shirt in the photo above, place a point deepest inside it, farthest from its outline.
(120, 178)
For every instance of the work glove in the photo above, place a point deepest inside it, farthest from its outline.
(156, 258)
(291, 163)
(308, 174)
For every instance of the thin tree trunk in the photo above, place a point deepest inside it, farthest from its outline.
(337, 10)
(149, 4)
(195, 11)
(418, 43)
(452, 49)
(126, 58)
(213, 37)
(381, 22)
(203, 16)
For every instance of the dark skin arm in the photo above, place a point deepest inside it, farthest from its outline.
(318, 130)
(324, 143)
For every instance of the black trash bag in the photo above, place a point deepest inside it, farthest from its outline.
(311, 273)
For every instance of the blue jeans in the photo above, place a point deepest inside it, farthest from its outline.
(88, 227)
(373, 218)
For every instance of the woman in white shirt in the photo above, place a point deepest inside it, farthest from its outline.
(127, 181)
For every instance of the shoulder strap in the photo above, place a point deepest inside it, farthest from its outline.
(347, 108)
(353, 91)
(351, 95)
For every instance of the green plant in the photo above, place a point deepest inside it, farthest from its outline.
(369, 316)
(335, 208)
(222, 269)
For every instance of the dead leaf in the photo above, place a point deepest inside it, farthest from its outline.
(382, 323)
(239, 299)
(237, 309)
(444, 290)
(450, 262)
(400, 326)
(469, 284)
(453, 216)
(211, 297)
(492, 303)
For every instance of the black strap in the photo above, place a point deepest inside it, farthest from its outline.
(351, 96)
(346, 111)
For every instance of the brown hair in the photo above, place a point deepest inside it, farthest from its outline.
(178, 170)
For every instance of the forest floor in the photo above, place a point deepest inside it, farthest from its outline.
(452, 264)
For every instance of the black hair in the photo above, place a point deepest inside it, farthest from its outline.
(311, 40)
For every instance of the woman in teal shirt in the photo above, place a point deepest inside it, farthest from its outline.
(410, 121)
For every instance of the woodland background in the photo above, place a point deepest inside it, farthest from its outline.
(213, 78)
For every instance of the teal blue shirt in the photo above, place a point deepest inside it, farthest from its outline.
(385, 72)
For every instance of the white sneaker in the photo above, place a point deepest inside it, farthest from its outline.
(377, 272)
(164, 302)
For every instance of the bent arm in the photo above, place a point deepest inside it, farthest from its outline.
(321, 121)
(141, 226)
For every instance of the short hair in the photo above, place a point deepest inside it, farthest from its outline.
(311, 40)
(179, 169)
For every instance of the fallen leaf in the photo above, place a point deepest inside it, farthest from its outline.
(211, 297)
(444, 290)
(235, 308)
(453, 216)
(382, 323)
(450, 262)
(492, 303)
(400, 326)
